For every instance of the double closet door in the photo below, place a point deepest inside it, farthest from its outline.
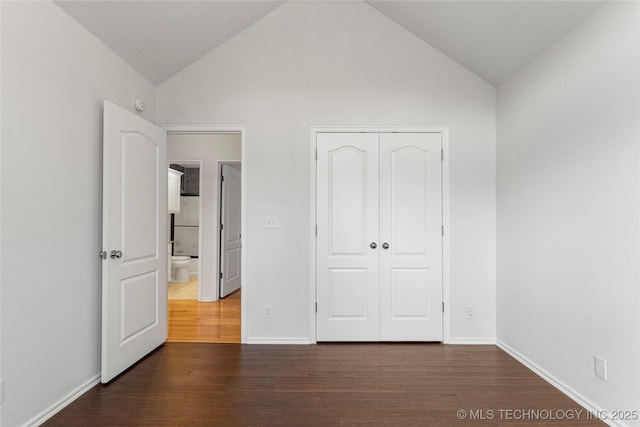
(379, 243)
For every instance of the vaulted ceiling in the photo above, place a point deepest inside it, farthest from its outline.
(492, 38)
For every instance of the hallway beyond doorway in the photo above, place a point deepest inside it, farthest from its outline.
(183, 291)
(205, 322)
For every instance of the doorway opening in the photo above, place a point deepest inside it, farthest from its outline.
(185, 232)
(208, 317)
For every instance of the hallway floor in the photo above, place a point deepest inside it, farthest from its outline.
(205, 322)
(182, 290)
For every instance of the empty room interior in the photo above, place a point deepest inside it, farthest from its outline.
(436, 214)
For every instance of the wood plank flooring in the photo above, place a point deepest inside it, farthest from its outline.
(186, 290)
(321, 385)
(205, 322)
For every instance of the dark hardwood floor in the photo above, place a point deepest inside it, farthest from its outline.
(189, 384)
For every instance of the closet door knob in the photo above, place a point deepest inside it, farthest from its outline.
(116, 254)
(385, 245)
(373, 245)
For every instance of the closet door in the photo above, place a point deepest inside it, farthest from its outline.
(347, 245)
(410, 237)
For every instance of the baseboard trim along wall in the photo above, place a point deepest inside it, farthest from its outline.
(62, 403)
(565, 389)
(471, 341)
(278, 341)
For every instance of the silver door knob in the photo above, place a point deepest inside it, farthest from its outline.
(373, 245)
(116, 254)
(385, 245)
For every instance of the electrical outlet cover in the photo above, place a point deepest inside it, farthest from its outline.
(271, 222)
(600, 367)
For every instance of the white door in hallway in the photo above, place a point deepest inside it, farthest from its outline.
(379, 243)
(230, 233)
(134, 240)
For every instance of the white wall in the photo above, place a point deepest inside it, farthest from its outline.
(340, 63)
(211, 149)
(194, 266)
(54, 78)
(569, 208)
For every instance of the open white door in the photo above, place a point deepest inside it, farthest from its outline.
(230, 231)
(134, 269)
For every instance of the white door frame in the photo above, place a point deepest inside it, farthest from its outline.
(200, 165)
(315, 130)
(242, 130)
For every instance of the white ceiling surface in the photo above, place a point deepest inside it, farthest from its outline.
(160, 38)
(494, 39)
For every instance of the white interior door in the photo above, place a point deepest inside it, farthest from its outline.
(411, 237)
(230, 233)
(134, 281)
(347, 245)
(379, 241)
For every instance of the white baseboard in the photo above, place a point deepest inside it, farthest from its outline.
(564, 388)
(455, 341)
(278, 341)
(471, 341)
(62, 403)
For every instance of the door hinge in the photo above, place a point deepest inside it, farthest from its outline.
(316, 307)
(316, 230)
(442, 154)
(443, 230)
(221, 226)
(443, 306)
(316, 154)
(221, 178)
(221, 274)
